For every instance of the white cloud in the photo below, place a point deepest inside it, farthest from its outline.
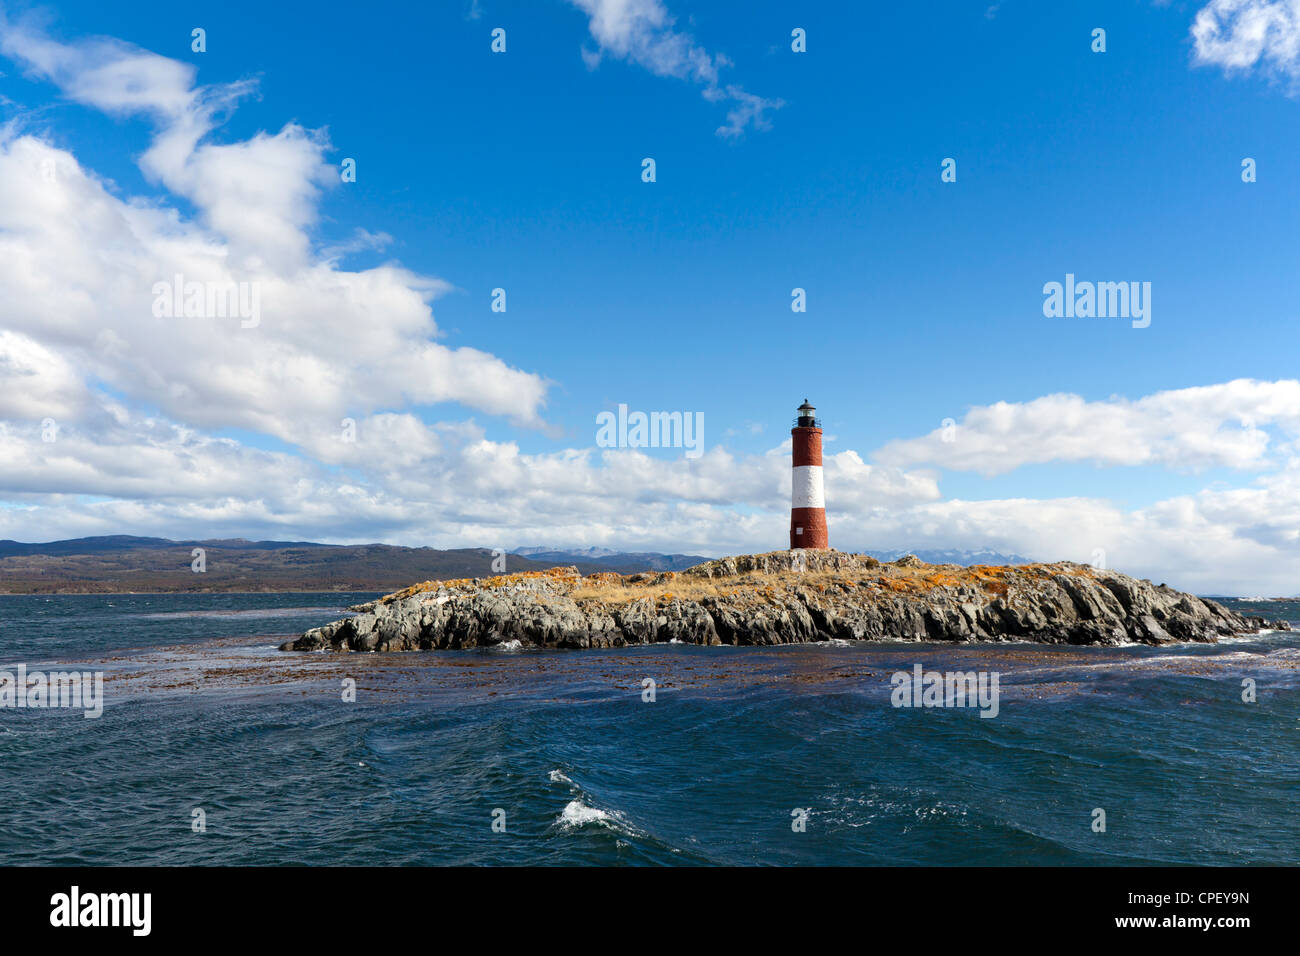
(407, 481)
(79, 264)
(36, 382)
(645, 33)
(1241, 34)
(1190, 428)
(362, 240)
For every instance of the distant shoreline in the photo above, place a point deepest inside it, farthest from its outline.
(211, 591)
(122, 564)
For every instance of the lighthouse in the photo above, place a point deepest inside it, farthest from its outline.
(807, 500)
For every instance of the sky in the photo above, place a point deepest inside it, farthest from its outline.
(368, 178)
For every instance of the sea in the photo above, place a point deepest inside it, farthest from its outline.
(215, 748)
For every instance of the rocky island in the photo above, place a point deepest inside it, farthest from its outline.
(783, 597)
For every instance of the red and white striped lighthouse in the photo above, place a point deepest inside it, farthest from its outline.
(807, 499)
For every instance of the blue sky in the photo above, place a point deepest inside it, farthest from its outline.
(522, 171)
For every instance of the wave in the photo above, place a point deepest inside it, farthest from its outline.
(1259, 635)
(1232, 657)
(577, 814)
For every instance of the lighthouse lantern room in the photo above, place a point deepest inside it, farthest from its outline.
(807, 498)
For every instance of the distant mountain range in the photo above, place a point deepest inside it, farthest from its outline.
(126, 542)
(114, 563)
(125, 563)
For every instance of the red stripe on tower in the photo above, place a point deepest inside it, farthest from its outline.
(807, 498)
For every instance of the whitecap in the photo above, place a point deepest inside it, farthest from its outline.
(577, 814)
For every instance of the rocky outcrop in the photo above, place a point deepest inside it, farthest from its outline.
(783, 597)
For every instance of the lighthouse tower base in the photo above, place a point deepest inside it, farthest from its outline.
(808, 528)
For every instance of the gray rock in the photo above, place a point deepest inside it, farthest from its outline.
(783, 597)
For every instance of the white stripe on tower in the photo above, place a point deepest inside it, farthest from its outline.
(808, 490)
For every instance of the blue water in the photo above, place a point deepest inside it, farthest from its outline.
(203, 712)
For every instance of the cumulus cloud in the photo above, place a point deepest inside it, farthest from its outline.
(81, 267)
(645, 33)
(1239, 35)
(36, 382)
(1190, 428)
(400, 479)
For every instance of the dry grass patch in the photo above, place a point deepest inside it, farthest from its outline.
(613, 589)
(685, 588)
(624, 593)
